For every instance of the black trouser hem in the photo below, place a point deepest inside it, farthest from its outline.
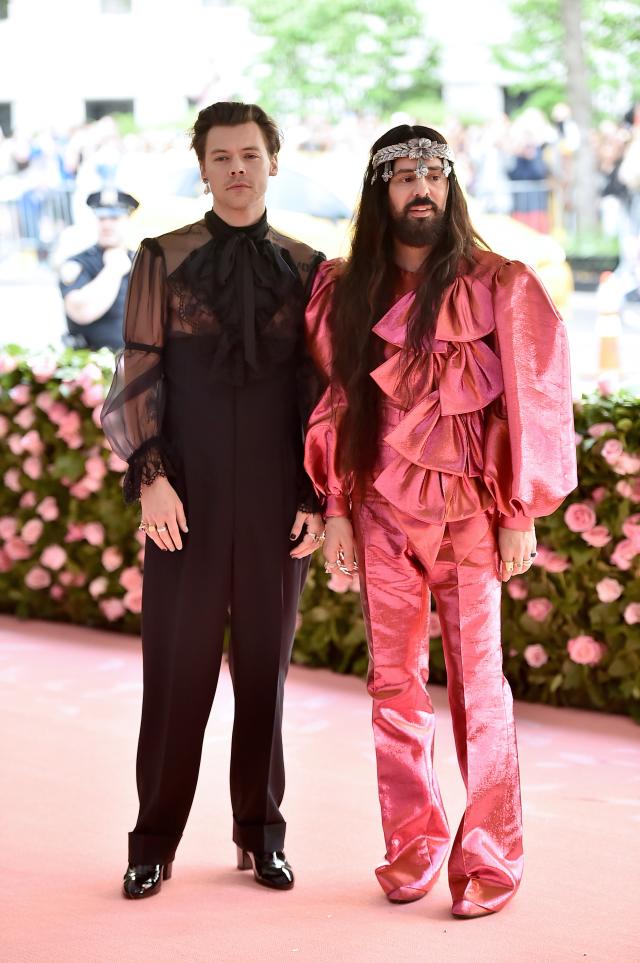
(145, 849)
(260, 838)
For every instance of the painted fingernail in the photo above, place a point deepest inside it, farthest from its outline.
(293, 536)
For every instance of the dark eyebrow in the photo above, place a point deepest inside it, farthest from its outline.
(223, 150)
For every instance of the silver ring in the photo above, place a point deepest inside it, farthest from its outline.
(163, 529)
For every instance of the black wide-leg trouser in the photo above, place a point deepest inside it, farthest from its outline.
(237, 480)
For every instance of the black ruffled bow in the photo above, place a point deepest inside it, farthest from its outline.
(244, 279)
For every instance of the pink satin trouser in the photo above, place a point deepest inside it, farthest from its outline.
(398, 569)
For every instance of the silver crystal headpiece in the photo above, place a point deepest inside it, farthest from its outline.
(418, 148)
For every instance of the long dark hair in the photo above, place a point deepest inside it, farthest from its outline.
(364, 292)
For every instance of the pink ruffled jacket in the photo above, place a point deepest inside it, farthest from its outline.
(492, 417)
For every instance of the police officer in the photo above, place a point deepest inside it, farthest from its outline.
(94, 282)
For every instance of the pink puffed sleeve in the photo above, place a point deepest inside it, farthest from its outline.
(530, 456)
(322, 431)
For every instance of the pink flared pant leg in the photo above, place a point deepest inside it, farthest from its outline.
(485, 865)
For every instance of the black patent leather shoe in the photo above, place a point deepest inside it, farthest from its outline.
(269, 869)
(143, 881)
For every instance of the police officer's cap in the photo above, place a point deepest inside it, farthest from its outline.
(111, 203)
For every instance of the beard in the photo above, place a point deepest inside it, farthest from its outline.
(418, 232)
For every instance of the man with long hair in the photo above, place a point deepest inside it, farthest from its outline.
(445, 429)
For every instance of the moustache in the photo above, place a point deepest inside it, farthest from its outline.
(420, 202)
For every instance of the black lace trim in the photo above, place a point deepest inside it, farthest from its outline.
(149, 461)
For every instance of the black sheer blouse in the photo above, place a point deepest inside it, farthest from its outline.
(244, 291)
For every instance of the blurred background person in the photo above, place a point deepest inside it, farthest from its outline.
(94, 282)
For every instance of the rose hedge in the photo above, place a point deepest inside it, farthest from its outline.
(69, 549)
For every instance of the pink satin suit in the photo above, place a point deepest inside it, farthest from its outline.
(487, 440)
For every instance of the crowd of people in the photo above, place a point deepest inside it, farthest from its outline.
(522, 166)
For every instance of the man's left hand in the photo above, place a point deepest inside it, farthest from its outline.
(515, 551)
(313, 535)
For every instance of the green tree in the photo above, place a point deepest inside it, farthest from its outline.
(583, 52)
(349, 55)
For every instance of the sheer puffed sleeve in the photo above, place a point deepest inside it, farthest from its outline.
(132, 413)
(322, 431)
(530, 458)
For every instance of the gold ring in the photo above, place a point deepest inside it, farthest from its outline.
(151, 528)
(142, 527)
(508, 565)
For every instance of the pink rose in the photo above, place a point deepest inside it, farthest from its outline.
(95, 467)
(535, 655)
(12, 480)
(627, 465)
(539, 609)
(4, 425)
(28, 500)
(133, 600)
(116, 463)
(131, 579)
(542, 556)
(598, 494)
(25, 418)
(557, 563)
(32, 442)
(54, 556)
(7, 363)
(112, 609)
(44, 401)
(37, 578)
(579, 517)
(32, 530)
(70, 429)
(585, 650)
(32, 467)
(612, 450)
(56, 592)
(93, 395)
(17, 549)
(92, 485)
(339, 582)
(631, 528)
(623, 554)
(600, 429)
(5, 561)
(435, 629)
(80, 491)
(578, 438)
(89, 374)
(15, 444)
(20, 394)
(8, 527)
(111, 558)
(94, 533)
(98, 586)
(609, 589)
(517, 589)
(58, 411)
(597, 537)
(75, 532)
(79, 579)
(630, 489)
(43, 368)
(65, 578)
(632, 613)
(607, 385)
(48, 509)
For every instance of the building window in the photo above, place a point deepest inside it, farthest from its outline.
(115, 6)
(4, 9)
(95, 109)
(5, 119)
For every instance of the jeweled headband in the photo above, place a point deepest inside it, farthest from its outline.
(417, 148)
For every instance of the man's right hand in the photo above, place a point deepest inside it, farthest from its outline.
(162, 508)
(338, 548)
(117, 260)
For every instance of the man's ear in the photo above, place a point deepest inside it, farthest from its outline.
(273, 169)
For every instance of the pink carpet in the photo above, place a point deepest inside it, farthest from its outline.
(70, 707)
